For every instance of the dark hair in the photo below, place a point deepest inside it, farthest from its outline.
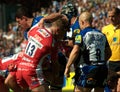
(24, 11)
(117, 11)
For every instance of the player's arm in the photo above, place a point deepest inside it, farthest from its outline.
(10, 62)
(50, 18)
(73, 56)
(107, 51)
(53, 17)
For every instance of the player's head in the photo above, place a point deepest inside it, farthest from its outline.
(22, 16)
(59, 27)
(85, 19)
(69, 10)
(24, 11)
(114, 15)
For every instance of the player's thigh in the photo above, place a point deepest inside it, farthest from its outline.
(3, 88)
(10, 79)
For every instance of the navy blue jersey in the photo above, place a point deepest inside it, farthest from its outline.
(74, 29)
(36, 20)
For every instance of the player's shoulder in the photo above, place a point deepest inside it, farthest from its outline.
(38, 18)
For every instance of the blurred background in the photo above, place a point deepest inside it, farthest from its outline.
(44, 7)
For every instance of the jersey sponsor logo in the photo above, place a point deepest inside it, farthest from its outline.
(27, 64)
(78, 39)
(44, 33)
(26, 59)
(38, 44)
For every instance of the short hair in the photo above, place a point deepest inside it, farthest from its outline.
(24, 11)
(62, 23)
(86, 16)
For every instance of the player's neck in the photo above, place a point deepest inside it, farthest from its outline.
(73, 20)
(48, 29)
(30, 20)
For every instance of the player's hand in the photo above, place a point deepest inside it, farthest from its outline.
(67, 72)
(11, 67)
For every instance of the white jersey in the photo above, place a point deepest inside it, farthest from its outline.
(95, 42)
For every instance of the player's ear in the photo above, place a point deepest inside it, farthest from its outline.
(24, 17)
(82, 22)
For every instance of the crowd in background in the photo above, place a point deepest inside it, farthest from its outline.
(10, 40)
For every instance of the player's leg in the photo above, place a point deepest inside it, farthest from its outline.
(12, 83)
(3, 87)
(35, 80)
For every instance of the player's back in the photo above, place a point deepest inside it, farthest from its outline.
(95, 42)
(38, 47)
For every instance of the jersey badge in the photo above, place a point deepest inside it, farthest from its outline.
(114, 39)
(76, 31)
(78, 39)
